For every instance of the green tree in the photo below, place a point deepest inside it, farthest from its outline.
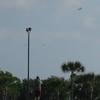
(54, 88)
(9, 86)
(23, 95)
(84, 88)
(96, 92)
(73, 68)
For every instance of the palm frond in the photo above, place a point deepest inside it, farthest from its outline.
(64, 67)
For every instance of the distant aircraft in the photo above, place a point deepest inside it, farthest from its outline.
(79, 9)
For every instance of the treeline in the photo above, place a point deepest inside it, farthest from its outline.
(85, 86)
(53, 88)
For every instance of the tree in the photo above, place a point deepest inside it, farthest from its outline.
(96, 92)
(73, 68)
(84, 88)
(55, 88)
(9, 86)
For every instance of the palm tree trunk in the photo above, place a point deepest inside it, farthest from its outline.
(72, 86)
(91, 92)
(57, 94)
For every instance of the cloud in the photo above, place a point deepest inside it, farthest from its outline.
(66, 7)
(16, 3)
(70, 4)
(29, 3)
(89, 21)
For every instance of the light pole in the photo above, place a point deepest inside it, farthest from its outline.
(28, 30)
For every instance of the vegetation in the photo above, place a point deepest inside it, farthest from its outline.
(78, 86)
(72, 67)
(9, 86)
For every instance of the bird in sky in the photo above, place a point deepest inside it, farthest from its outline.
(79, 9)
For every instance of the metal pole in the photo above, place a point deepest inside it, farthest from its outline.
(28, 63)
(28, 30)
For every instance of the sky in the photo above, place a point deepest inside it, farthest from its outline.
(61, 32)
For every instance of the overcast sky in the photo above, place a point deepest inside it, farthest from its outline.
(62, 30)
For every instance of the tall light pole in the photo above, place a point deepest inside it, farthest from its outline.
(28, 30)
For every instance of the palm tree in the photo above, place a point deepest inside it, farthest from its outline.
(73, 68)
